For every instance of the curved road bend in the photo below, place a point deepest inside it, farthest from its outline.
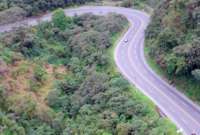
(129, 58)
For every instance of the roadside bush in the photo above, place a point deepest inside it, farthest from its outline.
(60, 20)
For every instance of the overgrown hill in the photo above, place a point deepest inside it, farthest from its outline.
(58, 79)
(173, 41)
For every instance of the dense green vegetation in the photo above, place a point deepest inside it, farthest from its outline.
(173, 42)
(57, 79)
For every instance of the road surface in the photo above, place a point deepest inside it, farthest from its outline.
(130, 60)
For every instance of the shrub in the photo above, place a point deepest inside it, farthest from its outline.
(40, 74)
(171, 61)
(60, 20)
(196, 74)
(39, 78)
(6, 55)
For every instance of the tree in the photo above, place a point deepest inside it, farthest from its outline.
(120, 82)
(196, 74)
(167, 39)
(69, 86)
(171, 63)
(193, 55)
(60, 20)
(3, 98)
(10, 127)
(44, 129)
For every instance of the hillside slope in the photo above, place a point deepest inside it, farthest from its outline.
(58, 79)
(173, 42)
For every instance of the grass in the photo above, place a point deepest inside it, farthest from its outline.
(186, 85)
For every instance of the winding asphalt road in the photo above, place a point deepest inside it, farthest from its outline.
(130, 60)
